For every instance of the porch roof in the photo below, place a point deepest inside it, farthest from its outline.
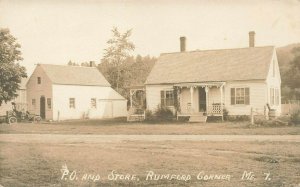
(200, 84)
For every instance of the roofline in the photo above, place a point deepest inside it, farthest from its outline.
(204, 82)
(216, 50)
(67, 65)
(82, 85)
(113, 99)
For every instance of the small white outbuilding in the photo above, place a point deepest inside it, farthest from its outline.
(57, 92)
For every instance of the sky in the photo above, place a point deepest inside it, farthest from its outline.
(57, 31)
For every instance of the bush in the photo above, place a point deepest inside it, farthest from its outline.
(268, 123)
(238, 118)
(225, 114)
(149, 115)
(161, 114)
(295, 117)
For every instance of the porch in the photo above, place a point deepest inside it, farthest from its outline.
(196, 100)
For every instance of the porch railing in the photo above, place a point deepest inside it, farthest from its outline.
(215, 109)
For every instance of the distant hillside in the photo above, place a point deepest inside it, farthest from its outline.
(285, 56)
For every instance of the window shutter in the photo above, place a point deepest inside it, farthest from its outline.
(232, 96)
(247, 96)
(162, 98)
(175, 99)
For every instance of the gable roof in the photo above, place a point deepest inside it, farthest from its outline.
(212, 65)
(74, 75)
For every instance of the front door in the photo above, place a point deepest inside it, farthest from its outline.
(202, 100)
(42, 107)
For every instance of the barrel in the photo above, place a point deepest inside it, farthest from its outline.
(272, 113)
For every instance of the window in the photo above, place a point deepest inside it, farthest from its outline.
(240, 96)
(93, 103)
(273, 68)
(39, 80)
(277, 97)
(49, 103)
(72, 102)
(274, 96)
(167, 98)
(33, 103)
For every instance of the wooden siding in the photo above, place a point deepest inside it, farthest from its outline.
(105, 107)
(153, 95)
(274, 82)
(258, 97)
(35, 91)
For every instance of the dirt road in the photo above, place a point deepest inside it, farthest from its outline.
(66, 138)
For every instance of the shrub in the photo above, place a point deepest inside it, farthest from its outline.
(262, 122)
(160, 114)
(238, 118)
(163, 114)
(225, 114)
(149, 115)
(295, 117)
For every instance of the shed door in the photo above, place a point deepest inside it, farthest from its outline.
(42, 107)
(106, 108)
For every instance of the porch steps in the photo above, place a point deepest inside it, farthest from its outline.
(136, 117)
(198, 119)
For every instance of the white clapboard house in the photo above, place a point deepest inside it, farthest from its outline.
(208, 81)
(20, 100)
(58, 92)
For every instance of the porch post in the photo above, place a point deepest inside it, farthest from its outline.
(131, 98)
(192, 98)
(221, 90)
(206, 95)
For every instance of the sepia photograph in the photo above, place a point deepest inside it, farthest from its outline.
(149, 93)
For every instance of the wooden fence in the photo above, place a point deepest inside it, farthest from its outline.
(290, 106)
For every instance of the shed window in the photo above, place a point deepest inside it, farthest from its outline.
(39, 80)
(240, 96)
(72, 102)
(49, 104)
(93, 103)
(167, 98)
(33, 103)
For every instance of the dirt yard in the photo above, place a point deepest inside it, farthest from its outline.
(94, 160)
(122, 127)
(28, 164)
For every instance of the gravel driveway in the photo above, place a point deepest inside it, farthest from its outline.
(63, 138)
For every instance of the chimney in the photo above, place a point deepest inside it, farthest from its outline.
(91, 63)
(182, 43)
(251, 39)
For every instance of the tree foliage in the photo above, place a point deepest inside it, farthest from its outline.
(115, 55)
(292, 76)
(289, 62)
(11, 72)
(134, 72)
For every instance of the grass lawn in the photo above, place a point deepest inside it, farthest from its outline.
(40, 164)
(120, 126)
(26, 164)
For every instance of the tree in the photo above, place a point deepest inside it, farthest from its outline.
(119, 48)
(293, 74)
(11, 72)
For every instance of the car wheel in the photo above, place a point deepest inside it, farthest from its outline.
(12, 120)
(37, 119)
